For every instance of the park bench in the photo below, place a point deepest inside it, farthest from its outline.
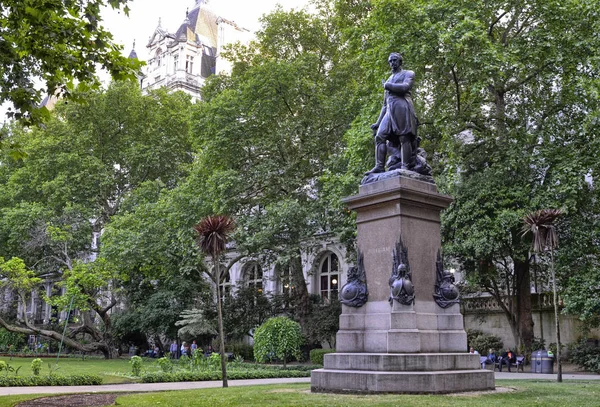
(519, 363)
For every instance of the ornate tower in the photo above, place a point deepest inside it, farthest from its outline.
(184, 59)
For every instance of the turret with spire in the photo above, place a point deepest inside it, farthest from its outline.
(133, 54)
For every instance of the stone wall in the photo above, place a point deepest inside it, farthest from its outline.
(483, 313)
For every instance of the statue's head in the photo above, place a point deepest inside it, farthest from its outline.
(395, 60)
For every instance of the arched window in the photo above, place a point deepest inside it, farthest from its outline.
(329, 276)
(253, 276)
(286, 281)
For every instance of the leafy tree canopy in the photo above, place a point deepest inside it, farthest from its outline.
(58, 42)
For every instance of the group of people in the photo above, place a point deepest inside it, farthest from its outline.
(185, 349)
(507, 358)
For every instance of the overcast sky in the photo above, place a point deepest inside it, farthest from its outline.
(144, 15)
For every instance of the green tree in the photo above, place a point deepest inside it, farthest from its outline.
(505, 100)
(244, 310)
(266, 133)
(79, 169)
(59, 43)
(278, 337)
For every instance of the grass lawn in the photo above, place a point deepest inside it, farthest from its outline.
(525, 393)
(104, 368)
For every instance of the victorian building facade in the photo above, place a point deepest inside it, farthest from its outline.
(184, 58)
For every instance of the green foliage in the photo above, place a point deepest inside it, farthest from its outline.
(323, 322)
(585, 355)
(51, 380)
(36, 366)
(232, 373)
(11, 340)
(60, 43)
(278, 337)
(194, 323)
(15, 275)
(80, 167)
(136, 365)
(482, 342)
(316, 355)
(241, 349)
(245, 309)
(165, 364)
(214, 360)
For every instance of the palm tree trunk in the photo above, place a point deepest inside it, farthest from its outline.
(557, 323)
(220, 319)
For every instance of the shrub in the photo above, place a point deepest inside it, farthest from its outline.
(278, 337)
(585, 355)
(55, 380)
(214, 360)
(165, 364)
(538, 344)
(136, 365)
(483, 342)
(36, 366)
(233, 374)
(316, 355)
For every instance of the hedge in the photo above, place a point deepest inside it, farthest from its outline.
(316, 355)
(53, 380)
(160, 377)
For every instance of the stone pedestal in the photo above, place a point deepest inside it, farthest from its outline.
(417, 348)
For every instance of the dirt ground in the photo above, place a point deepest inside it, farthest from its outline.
(74, 400)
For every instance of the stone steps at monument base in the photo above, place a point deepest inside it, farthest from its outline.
(398, 362)
(432, 382)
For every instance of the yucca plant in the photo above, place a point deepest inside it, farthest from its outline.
(213, 233)
(541, 225)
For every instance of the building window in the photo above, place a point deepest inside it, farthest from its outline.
(189, 63)
(158, 57)
(253, 276)
(175, 63)
(329, 276)
(286, 281)
(225, 286)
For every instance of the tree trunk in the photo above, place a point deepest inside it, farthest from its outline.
(105, 347)
(524, 307)
(300, 296)
(556, 320)
(220, 320)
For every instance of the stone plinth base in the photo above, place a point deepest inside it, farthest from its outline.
(421, 373)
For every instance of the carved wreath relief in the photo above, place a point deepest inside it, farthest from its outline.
(401, 286)
(446, 293)
(355, 293)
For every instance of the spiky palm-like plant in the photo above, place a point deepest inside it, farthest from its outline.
(541, 225)
(213, 233)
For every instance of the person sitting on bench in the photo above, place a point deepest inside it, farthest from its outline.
(490, 359)
(506, 358)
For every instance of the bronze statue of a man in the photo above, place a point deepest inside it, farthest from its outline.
(397, 121)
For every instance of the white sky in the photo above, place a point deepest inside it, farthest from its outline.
(144, 15)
